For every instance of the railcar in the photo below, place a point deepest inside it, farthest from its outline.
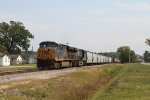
(89, 57)
(54, 55)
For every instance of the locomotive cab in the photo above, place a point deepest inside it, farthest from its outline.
(46, 54)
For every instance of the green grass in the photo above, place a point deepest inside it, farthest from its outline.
(79, 85)
(133, 83)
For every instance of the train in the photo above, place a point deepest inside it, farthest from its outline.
(54, 55)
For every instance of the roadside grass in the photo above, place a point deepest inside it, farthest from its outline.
(79, 85)
(32, 65)
(17, 68)
(133, 83)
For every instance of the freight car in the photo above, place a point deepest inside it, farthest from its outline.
(54, 55)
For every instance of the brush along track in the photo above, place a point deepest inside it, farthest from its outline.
(18, 72)
(4, 73)
(42, 74)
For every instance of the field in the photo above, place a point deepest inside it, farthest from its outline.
(133, 83)
(108, 82)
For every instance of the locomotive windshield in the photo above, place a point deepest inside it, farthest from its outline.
(48, 44)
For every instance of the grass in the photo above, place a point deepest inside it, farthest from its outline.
(132, 84)
(79, 85)
(24, 65)
(17, 68)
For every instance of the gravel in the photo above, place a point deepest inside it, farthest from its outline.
(40, 74)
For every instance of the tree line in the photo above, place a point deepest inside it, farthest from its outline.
(124, 54)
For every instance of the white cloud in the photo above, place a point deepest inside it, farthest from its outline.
(133, 6)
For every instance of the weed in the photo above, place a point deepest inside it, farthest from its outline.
(79, 85)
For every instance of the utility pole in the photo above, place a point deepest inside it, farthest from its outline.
(32, 48)
(67, 52)
(129, 57)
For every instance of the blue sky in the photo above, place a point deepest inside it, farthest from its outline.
(95, 25)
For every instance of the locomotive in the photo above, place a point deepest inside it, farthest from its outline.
(54, 55)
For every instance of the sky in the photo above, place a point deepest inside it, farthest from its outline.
(94, 25)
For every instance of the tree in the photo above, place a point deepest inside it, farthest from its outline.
(126, 55)
(133, 56)
(146, 56)
(2, 49)
(139, 58)
(14, 37)
(148, 42)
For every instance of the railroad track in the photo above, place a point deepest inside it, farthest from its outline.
(3, 73)
(18, 72)
(16, 75)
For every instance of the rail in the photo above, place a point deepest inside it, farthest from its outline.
(18, 72)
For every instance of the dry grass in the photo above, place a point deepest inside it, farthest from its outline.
(78, 85)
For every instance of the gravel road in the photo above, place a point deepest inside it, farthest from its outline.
(40, 74)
